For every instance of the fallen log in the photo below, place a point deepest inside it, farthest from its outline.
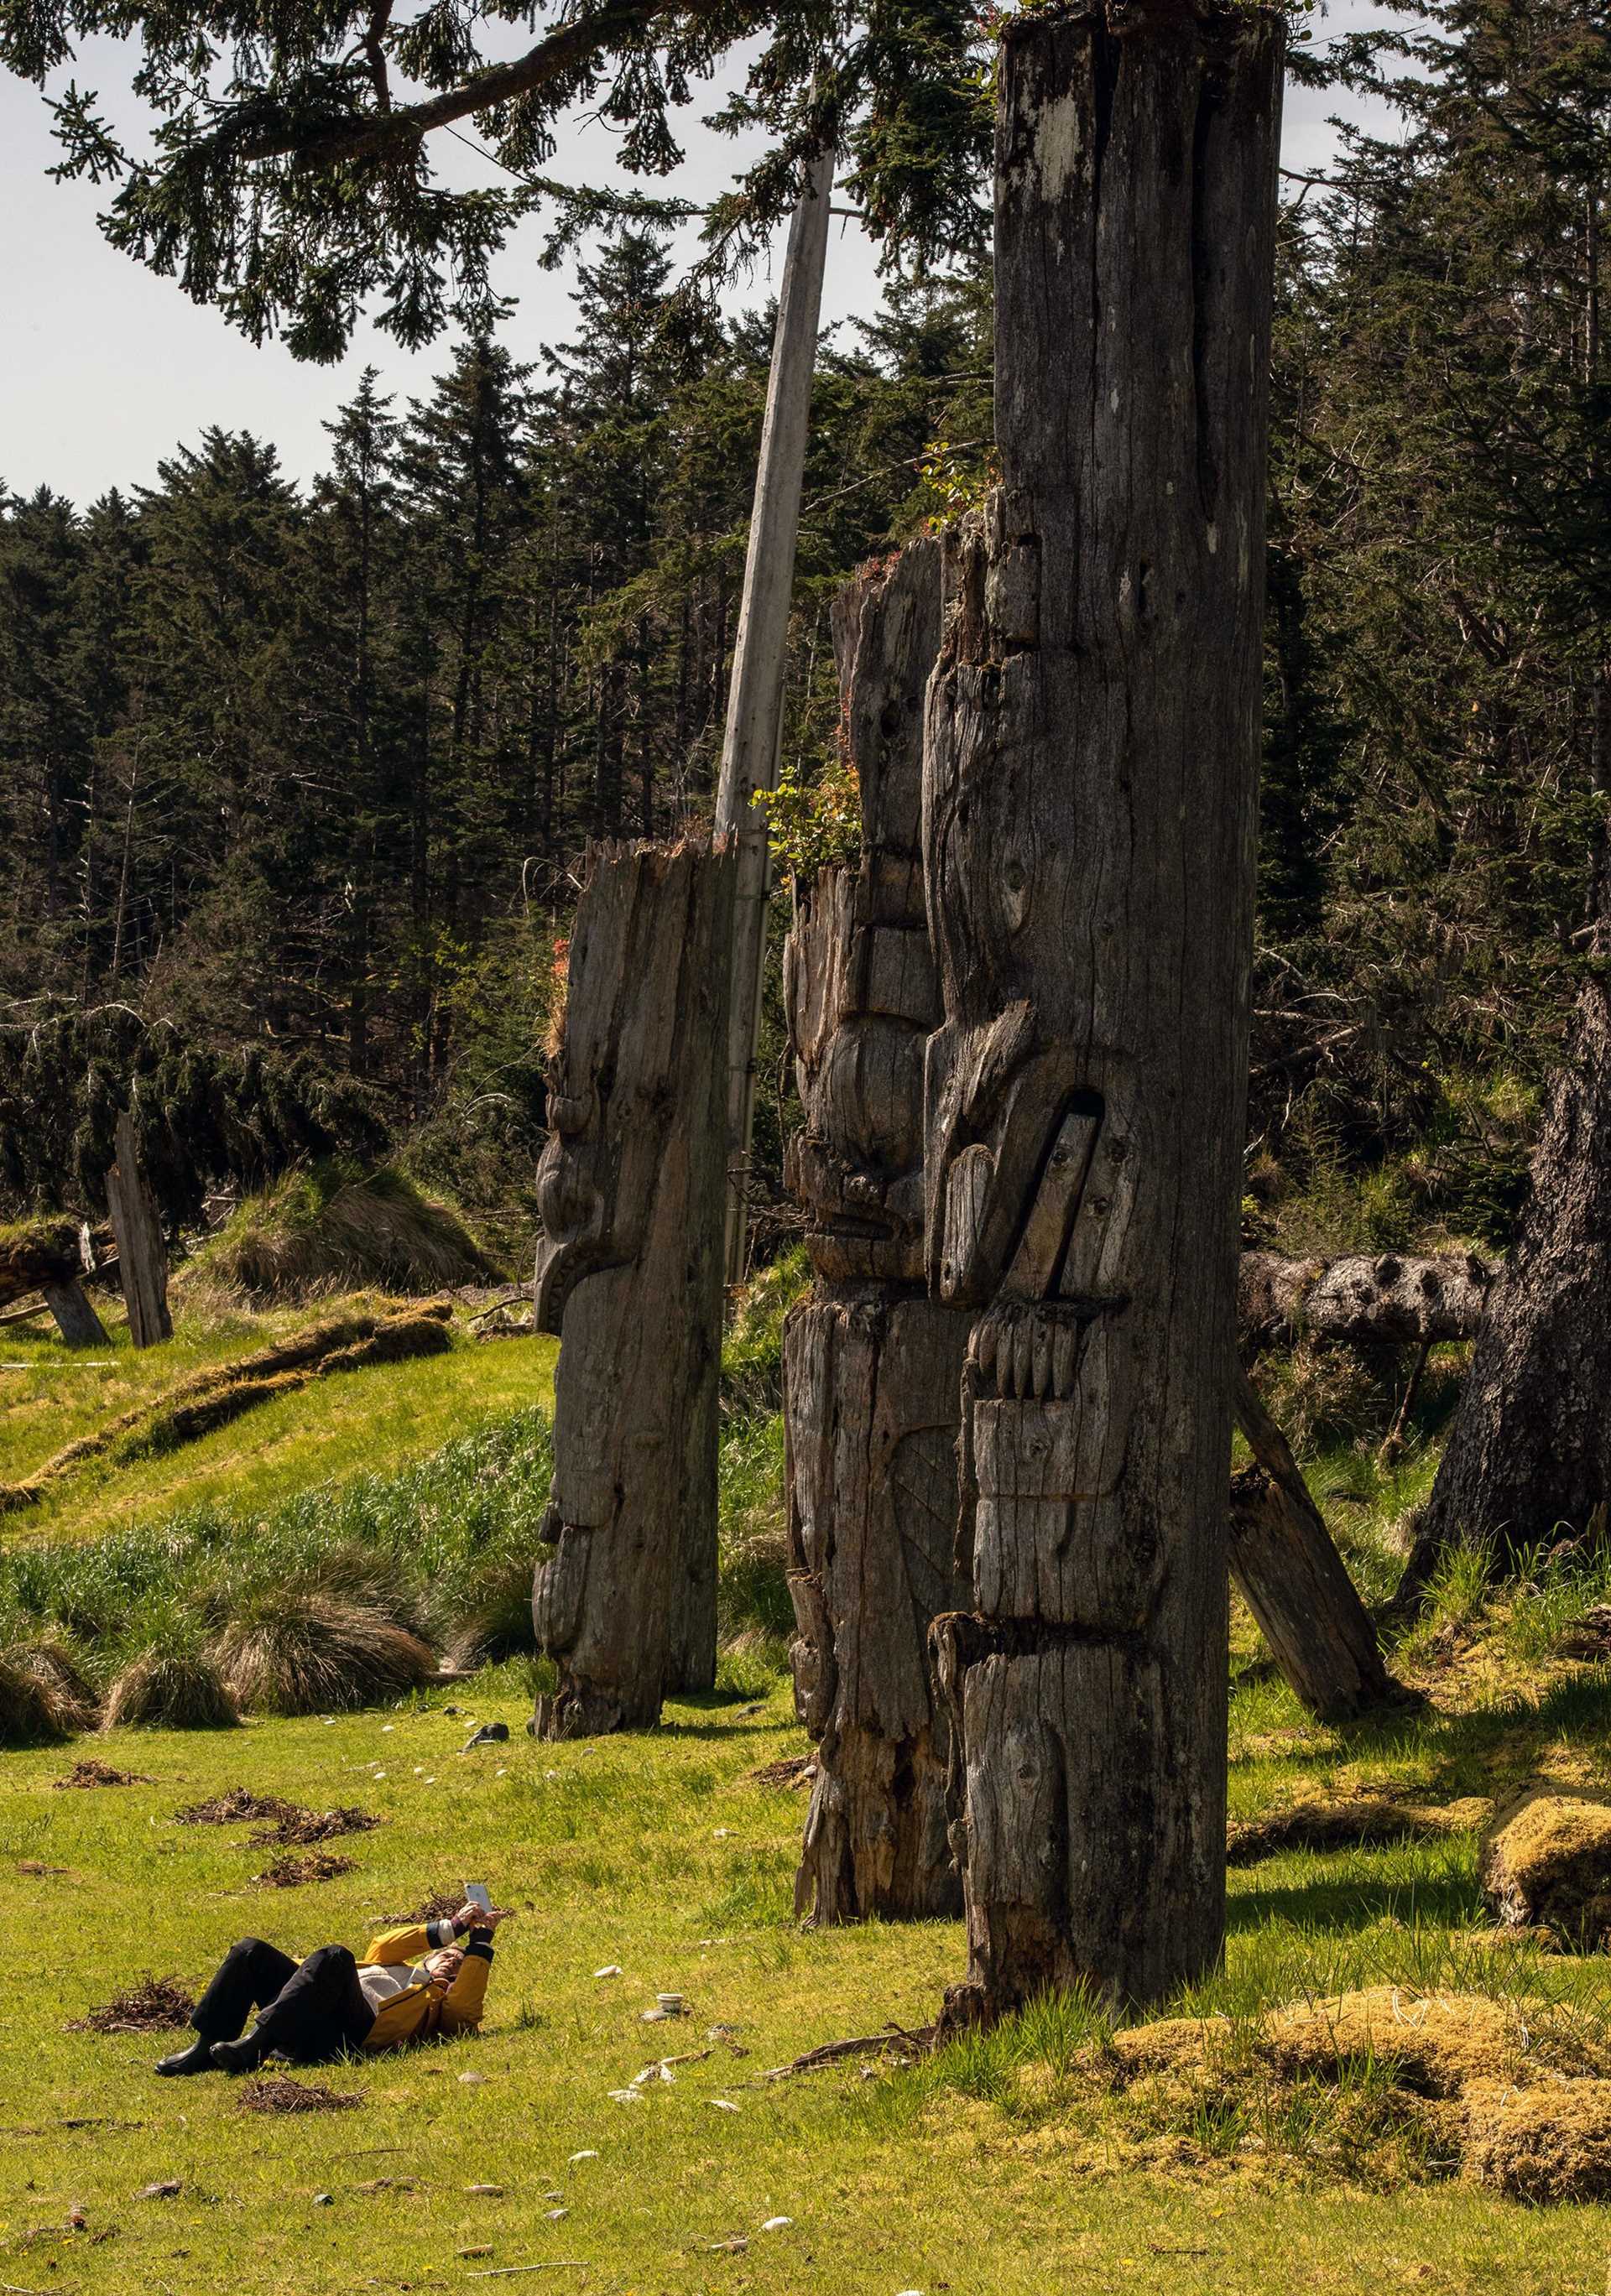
(1361, 1300)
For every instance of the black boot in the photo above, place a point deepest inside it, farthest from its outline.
(196, 2059)
(242, 2056)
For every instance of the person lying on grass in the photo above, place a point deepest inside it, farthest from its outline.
(411, 1984)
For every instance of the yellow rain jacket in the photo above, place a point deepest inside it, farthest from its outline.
(421, 2011)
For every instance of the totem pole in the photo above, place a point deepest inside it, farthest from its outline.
(631, 1192)
(1090, 798)
(872, 1368)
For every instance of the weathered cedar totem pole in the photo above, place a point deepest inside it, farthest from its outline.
(872, 1368)
(1090, 795)
(631, 1192)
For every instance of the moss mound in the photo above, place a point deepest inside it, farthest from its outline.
(1548, 1865)
(1385, 2084)
(336, 1229)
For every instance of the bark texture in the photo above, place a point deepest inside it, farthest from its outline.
(628, 1273)
(1294, 1580)
(142, 1254)
(872, 1368)
(1365, 1299)
(1529, 1454)
(1089, 791)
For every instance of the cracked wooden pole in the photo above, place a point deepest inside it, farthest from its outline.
(754, 721)
(1090, 801)
(142, 1254)
(628, 1273)
(872, 1367)
(1295, 1582)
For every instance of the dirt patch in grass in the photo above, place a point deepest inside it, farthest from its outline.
(302, 1827)
(91, 1773)
(1363, 1818)
(240, 1806)
(273, 2092)
(157, 2005)
(794, 1771)
(295, 1873)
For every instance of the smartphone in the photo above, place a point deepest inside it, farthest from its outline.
(475, 1894)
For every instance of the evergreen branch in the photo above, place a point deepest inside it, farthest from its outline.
(570, 50)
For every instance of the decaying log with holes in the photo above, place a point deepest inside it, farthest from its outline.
(872, 1367)
(628, 1273)
(1386, 1298)
(1295, 1582)
(1089, 799)
(142, 1253)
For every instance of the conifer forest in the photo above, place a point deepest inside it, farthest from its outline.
(834, 1095)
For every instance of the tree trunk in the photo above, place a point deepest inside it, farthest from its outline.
(628, 1273)
(749, 755)
(142, 1254)
(1295, 1582)
(76, 1318)
(872, 1369)
(1529, 1454)
(1090, 798)
(1375, 1299)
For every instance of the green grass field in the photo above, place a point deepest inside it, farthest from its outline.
(985, 2168)
(659, 1855)
(378, 1418)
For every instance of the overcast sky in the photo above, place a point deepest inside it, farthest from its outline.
(106, 367)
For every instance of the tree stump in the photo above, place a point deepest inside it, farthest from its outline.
(1089, 799)
(628, 1273)
(142, 1254)
(872, 1368)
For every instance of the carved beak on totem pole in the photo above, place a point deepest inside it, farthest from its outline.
(571, 1208)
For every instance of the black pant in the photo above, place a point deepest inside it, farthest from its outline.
(310, 2012)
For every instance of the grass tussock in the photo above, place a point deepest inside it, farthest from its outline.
(1548, 1865)
(334, 1227)
(170, 1686)
(44, 1696)
(299, 1650)
(1357, 1817)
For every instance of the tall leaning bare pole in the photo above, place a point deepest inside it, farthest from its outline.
(750, 747)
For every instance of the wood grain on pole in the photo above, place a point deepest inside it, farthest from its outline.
(142, 1253)
(872, 1367)
(1089, 803)
(628, 1274)
(754, 721)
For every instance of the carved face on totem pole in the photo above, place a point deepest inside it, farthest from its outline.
(862, 999)
(1033, 1162)
(609, 1091)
